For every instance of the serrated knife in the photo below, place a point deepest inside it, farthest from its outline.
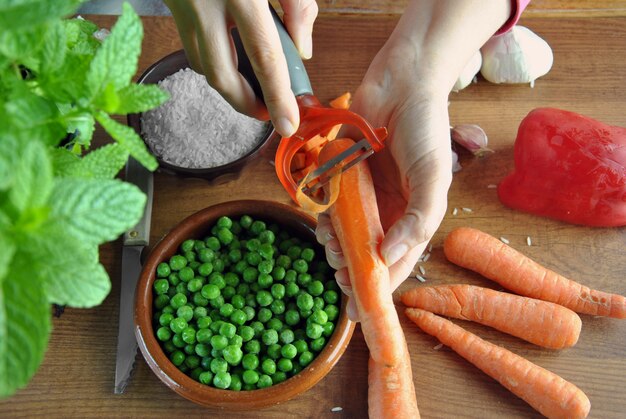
(134, 242)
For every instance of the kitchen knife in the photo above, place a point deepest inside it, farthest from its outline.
(135, 240)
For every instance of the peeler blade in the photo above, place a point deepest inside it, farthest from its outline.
(338, 164)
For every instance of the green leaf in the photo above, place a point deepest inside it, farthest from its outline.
(22, 45)
(15, 14)
(136, 98)
(128, 139)
(83, 125)
(34, 117)
(69, 273)
(8, 249)
(79, 35)
(32, 179)
(116, 61)
(94, 211)
(24, 329)
(53, 49)
(102, 163)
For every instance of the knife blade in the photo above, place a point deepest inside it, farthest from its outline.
(135, 240)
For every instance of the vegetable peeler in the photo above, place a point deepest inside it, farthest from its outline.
(314, 119)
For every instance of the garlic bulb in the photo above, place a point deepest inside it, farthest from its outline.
(471, 137)
(469, 72)
(517, 56)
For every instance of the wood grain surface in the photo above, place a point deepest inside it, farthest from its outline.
(589, 74)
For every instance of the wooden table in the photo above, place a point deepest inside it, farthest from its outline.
(589, 74)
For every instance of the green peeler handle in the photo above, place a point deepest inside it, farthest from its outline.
(300, 84)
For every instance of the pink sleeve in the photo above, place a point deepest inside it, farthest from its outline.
(518, 7)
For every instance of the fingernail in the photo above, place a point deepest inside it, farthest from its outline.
(306, 48)
(284, 127)
(351, 311)
(395, 253)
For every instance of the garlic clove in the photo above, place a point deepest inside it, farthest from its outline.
(468, 75)
(456, 166)
(471, 137)
(517, 56)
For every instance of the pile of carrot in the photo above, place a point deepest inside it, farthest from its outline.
(544, 313)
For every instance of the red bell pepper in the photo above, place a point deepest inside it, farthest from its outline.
(568, 167)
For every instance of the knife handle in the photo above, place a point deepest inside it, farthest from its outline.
(141, 177)
(300, 83)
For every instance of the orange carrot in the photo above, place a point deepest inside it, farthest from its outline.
(357, 225)
(545, 391)
(482, 253)
(299, 161)
(540, 322)
(342, 102)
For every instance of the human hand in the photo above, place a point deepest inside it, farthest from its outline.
(205, 30)
(411, 175)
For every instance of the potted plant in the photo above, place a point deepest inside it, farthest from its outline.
(59, 199)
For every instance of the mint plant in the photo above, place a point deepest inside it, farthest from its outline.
(59, 198)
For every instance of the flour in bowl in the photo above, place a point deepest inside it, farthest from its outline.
(197, 128)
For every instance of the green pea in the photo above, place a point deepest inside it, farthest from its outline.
(204, 322)
(305, 301)
(294, 252)
(250, 361)
(219, 265)
(258, 328)
(278, 273)
(274, 323)
(235, 383)
(174, 278)
(308, 254)
(314, 330)
(206, 377)
(287, 336)
(283, 261)
(289, 351)
(217, 302)
(240, 266)
(246, 333)
(219, 342)
(190, 256)
(328, 327)
(245, 221)
(264, 381)
(178, 262)
(265, 280)
(182, 288)
(192, 361)
(164, 334)
(250, 376)
(224, 222)
(202, 350)
(305, 358)
(253, 258)
(165, 319)
(205, 269)
(268, 366)
(253, 346)
(270, 336)
(232, 354)
(198, 245)
(200, 312)
(178, 325)
(229, 292)
(195, 374)
(210, 291)
(204, 335)
(257, 227)
(177, 358)
(318, 344)
(238, 301)
(206, 362)
(291, 289)
(216, 324)
(199, 300)
(163, 270)
(186, 274)
(332, 311)
(217, 279)
(194, 285)
(292, 317)
(250, 274)
(218, 364)
(331, 297)
(264, 315)
(315, 288)
(224, 235)
(227, 309)
(304, 279)
(168, 309)
(238, 317)
(189, 335)
(194, 264)
(228, 330)
(318, 303)
(187, 245)
(161, 286)
(301, 346)
(264, 298)
(278, 291)
(266, 250)
(250, 312)
(320, 317)
(273, 351)
(284, 365)
(236, 341)
(185, 312)
(278, 377)
(222, 380)
(161, 301)
(213, 243)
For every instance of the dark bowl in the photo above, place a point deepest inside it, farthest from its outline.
(167, 66)
(197, 226)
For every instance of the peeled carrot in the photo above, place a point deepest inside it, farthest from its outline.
(357, 225)
(540, 322)
(482, 253)
(342, 102)
(298, 162)
(545, 391)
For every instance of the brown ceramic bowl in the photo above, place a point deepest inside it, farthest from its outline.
(197, 226)
(167, 66)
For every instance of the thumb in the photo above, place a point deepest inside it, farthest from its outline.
(424, 212)
(299, 16)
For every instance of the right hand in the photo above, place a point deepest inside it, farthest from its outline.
(204, 27)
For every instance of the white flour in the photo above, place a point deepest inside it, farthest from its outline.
(197, 128)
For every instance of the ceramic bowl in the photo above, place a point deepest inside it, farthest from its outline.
(167, 66)
(197, 226)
